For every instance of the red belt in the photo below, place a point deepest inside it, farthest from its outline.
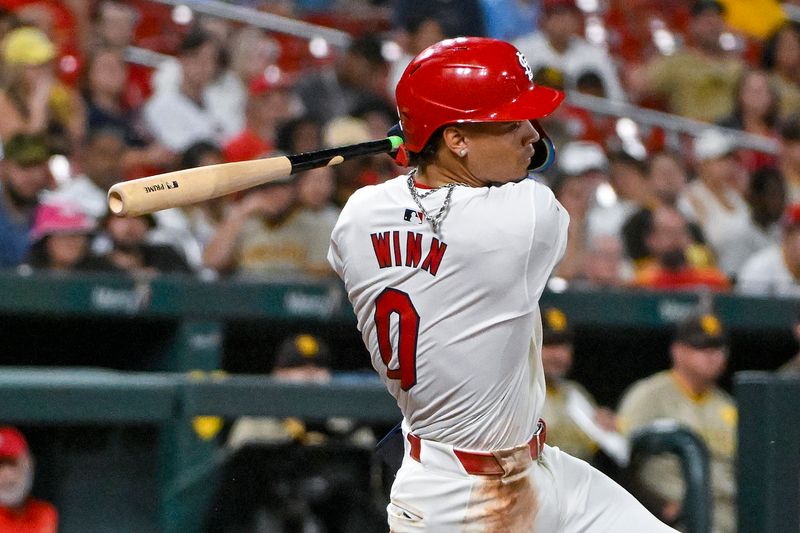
(484, 463)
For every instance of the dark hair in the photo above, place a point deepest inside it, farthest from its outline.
(621, 157)
(702, 5)
(770, 51)
(191, 156)
(287, 130)
(790, 128)
(590, 80)
(375, 105)
(427, 155)
(761, 178)
(195, 39)
(370, 48)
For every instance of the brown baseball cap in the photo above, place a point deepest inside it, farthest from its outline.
(301, 350)
(701, 330)
(555, 327)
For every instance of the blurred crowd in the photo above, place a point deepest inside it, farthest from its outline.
(650, 208)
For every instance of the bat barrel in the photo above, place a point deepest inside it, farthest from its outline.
(185, 187)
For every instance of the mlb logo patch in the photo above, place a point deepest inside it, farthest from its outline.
(412, 215)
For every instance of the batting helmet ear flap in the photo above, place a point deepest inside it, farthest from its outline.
(400, 155)
(544, 154)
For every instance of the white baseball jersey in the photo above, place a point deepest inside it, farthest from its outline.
(448, 318)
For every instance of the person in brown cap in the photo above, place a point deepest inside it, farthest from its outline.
(562, 393)
(688, 394)
(19, 512)
(23, 175)
(304, 358)
(301, 358)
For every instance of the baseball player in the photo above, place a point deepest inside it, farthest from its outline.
(444, 267)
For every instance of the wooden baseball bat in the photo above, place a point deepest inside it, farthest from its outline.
(185, 187)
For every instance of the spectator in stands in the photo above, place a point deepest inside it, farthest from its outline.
(61, 238)
(19, 512)
(104, 84)
(789, 156)
(668, 240)
(605, 265)
(420, 31)
(775, 270)
(630, 190)
(458, 19)
(697, 81)
(32, 100)
(767, 200)
(131, 251)
(689, 395)
(180, 114)
(356, 173)
(582, 170)
(667, 177)
(267, 234)
(100, 160)
(567, 402)
(252, 51)
(781, 57)
(23, 176)
(558, 44)
(357, 76)
(200, 221)
(113, 26)
(298, 135)
(714, 202)
(755, 110)
(271, 104)
(223, 95)
(315, 189)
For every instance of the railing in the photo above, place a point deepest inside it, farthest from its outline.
(670, 122)
(267, 21)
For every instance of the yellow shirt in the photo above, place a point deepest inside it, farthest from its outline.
(695, 86)
(758, 18)
(712, 416)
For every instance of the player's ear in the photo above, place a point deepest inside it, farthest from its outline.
(455, 140)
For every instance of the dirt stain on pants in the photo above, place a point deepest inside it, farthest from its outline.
(504, 503)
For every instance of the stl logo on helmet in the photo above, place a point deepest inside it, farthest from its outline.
(524, 63)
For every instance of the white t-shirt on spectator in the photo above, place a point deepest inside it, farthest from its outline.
(83, 193)
(608, 220)
(225, 98)
(726, 230)
(177, 122)
(766, 274)
(579, 58)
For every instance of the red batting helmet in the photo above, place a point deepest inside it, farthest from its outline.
(471, 79)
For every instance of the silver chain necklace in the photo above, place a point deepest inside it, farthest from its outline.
(436, 218)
